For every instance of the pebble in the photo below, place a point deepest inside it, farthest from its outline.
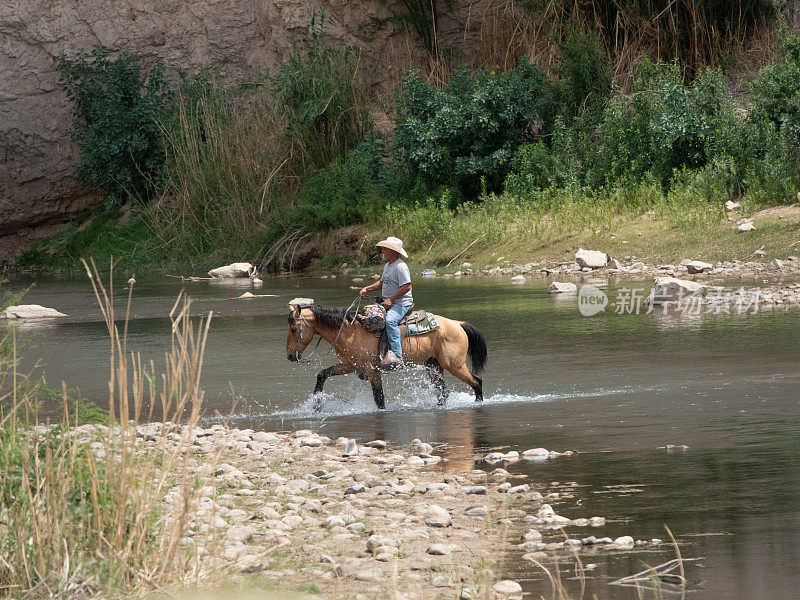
(438, 550)
(477, 489)
(241, 534)
(354, 489)
(478, 510)
(436, 516)
(334, 521)
(378, 541)
(507, 587)
(351, 449)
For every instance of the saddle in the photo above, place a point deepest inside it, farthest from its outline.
(416, 322)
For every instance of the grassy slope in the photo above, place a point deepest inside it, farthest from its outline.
(646, 237)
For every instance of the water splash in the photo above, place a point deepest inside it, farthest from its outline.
(411, 390)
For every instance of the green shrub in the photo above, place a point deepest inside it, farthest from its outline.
(317, 94)
(344, 192)
(116, 112)
(775, 91)
(584, 76)
(470, 129)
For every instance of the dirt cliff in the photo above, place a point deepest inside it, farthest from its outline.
(236, 37)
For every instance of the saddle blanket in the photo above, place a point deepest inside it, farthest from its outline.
(418, 322)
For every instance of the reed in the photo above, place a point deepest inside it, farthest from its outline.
(698, 33)
(82, 507)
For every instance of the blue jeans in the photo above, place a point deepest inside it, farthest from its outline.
(394, 315)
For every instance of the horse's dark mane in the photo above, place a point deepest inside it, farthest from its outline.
(329, 316)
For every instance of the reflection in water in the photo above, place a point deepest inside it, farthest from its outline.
(723, 385)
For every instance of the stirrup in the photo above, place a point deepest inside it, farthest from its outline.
(389, 362)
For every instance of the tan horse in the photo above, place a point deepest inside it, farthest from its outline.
(444, 348)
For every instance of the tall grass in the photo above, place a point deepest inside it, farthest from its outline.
(225, 169)
(699, 33)
(236, 155)
(81, 508)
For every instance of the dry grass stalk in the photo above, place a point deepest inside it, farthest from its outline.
(81, 508)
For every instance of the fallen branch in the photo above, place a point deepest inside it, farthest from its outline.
(464, 250)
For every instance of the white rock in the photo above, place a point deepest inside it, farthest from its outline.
(438, 550)
(566, 287)
(30, 311)
(311, 442)
(519, 279)
(257, 282)
(775, 265)
(532, 536)
(667, 289)
(731, 206)
(545, 511)
(381, 541)
(436, 516)
(613, 263)
(507, 588)
(240, 534)
(536, 453)
(300, 302)
(351, 449)
(624, 541)
(592, 259)
(232, 271)
(698, 266)
(746, 226)
(334, 521)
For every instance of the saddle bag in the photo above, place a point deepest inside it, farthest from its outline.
(373, 318)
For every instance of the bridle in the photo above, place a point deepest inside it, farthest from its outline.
(303, 322)
(296, 351)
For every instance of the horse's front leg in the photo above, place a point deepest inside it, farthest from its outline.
(374, 377)
(337, 369)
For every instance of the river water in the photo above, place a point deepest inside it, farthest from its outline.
(617, 388)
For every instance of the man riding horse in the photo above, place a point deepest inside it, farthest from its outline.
(395, 284)
(446, 348)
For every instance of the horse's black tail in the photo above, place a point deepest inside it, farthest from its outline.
(476, 349)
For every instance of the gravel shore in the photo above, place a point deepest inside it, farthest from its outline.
(366, 520)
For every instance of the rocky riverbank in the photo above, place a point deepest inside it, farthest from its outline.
(365, 520)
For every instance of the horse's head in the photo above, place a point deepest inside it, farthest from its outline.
(299, 335)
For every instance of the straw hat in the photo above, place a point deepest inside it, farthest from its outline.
(393, 243)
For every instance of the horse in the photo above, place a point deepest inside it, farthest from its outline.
(444, 348)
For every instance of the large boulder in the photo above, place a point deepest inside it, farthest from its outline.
(30, 311)
(594, 259)
(671, 289)
(232, 271)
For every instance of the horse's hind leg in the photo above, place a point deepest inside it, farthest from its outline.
(473, 381)
(435, 372)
